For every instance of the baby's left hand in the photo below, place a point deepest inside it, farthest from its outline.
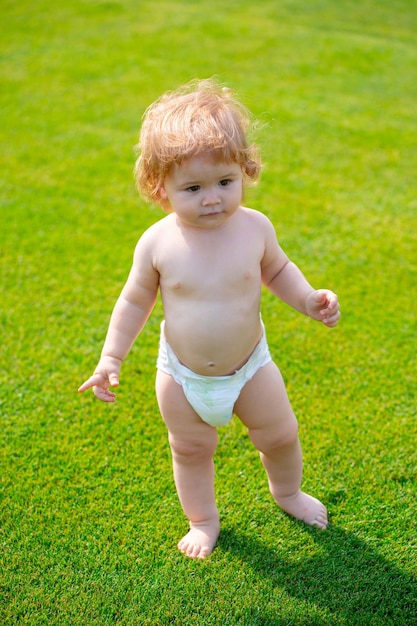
(323, 305)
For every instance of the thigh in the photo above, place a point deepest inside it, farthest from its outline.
(263, 406)
(183, 423)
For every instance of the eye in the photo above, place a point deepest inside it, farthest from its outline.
(224, 182)
(193, 188)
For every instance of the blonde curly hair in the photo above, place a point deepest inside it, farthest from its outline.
(201, 117)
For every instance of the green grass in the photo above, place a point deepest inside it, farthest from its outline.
(89, 514)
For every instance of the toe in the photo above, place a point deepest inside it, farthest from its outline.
(193, 551)
(321, 521)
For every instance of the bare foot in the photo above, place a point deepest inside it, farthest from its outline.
(305, 508)
(200, 541)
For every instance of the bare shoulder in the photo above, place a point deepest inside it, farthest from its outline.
(274, 258)
(157, 229)
(256, 219)
(153, 236)
(255, 216)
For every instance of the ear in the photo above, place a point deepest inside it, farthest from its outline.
(163, 199)
(162, 193)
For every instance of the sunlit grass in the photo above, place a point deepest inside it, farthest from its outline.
(90, 517)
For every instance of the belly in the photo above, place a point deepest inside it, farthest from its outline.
(215, 342)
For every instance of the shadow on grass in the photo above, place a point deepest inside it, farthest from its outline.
(346, 577)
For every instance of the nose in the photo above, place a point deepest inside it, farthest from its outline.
(211, 198)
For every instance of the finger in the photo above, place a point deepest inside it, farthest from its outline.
(320, 296)
(332, 320)
(104, 394)
(329, 323)
(93, 380)
(332, 302)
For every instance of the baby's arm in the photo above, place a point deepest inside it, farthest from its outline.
(287, 282)
(129, 316)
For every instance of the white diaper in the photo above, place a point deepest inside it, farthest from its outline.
(212, 397)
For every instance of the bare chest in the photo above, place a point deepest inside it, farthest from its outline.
(209, 268)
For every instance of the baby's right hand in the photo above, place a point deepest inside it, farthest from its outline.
(106, 375)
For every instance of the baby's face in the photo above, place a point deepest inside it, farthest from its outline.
(203, 192)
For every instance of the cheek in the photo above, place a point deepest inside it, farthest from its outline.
(238, 194)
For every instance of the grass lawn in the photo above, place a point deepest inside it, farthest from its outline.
(89, 514)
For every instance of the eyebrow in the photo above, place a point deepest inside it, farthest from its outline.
(197, 181)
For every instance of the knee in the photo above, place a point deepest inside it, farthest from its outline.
(282, 436)
(190, 450)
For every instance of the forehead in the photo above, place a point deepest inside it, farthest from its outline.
(204, 166)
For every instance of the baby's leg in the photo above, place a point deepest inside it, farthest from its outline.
(193, 443)
(263, 406)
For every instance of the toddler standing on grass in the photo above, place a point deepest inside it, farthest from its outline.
(209, 257)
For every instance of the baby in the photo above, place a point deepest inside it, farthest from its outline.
(209, 257)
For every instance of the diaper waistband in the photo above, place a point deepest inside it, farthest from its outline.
(168, 361)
